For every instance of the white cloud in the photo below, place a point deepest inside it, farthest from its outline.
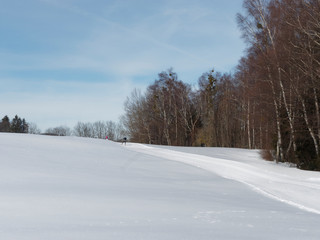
(58, 105)
(190, 36)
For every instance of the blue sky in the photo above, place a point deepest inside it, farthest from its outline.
(64, 61)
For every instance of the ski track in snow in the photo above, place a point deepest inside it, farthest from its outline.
(274, 181)
(79, 188)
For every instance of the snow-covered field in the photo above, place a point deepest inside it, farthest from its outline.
(77, 188)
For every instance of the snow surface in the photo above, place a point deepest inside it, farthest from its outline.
(78, 188)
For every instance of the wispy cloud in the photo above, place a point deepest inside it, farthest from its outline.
(155, 33)
(93, 54)
(65, 103)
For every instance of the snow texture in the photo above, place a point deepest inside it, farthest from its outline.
(78, 188)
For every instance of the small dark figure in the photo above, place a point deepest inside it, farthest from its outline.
(124, 140)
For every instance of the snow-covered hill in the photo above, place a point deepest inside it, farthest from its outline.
(77, 188)
(290, 185)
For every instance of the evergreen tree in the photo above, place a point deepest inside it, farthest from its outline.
(24, 126)
(15, 124)
(19, 125)
(5, 124)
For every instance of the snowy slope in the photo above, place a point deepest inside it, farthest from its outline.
(77, 188)
(290, 185)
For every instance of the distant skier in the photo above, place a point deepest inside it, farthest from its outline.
(106, 137)
(124, 140)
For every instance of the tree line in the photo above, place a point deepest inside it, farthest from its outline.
(279, 78)
(99, 129)
(16, 125)
(172, 112)
(270, 102)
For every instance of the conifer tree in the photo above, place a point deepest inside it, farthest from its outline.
(5, 124)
